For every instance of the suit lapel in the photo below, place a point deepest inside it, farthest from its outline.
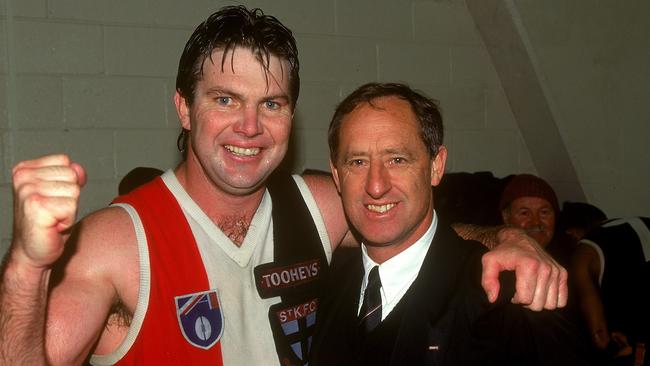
(344, 306)
(427, 298)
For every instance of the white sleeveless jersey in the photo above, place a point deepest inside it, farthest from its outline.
(247, 338)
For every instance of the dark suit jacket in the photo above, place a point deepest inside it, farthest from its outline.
(443, 319)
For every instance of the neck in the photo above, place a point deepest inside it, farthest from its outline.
(231, 213)
(380, 254)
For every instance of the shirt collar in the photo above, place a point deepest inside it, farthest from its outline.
(398, 273)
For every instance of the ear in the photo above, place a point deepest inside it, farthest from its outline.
(335, 175)
(183, 110)
(438, 166)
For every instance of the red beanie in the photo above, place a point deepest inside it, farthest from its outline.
(528, 185)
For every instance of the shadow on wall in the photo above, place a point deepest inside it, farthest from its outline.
(470, 198)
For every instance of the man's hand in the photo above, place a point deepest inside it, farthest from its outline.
(541, 282)
(46, 194)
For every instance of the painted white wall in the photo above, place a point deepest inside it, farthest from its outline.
(594, 58)
(95, 78)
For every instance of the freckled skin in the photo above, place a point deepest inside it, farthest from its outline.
(384, 163)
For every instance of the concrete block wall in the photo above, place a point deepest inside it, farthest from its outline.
(95, 79)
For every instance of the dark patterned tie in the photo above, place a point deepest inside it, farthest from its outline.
(370, 314)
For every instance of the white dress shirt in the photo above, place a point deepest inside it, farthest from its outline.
(398, 273)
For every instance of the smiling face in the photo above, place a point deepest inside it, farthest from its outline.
(384, 173)
(534, 215)
(239, 120)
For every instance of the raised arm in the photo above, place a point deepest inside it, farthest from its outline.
(55, 293)
(541, 283)
(46, 191)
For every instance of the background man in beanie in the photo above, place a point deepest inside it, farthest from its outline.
(529, 203)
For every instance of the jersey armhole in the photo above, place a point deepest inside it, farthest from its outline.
(143, 293)
(601, 258)
(315, 214)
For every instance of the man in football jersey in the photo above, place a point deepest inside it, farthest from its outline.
(218, 260)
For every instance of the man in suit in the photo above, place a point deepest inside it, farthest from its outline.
(412, 296)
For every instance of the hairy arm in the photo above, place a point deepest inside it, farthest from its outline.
(45, 191)
(58, 281)
(22, 316)
(486, 235)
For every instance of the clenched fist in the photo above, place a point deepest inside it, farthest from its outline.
(46, 196)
